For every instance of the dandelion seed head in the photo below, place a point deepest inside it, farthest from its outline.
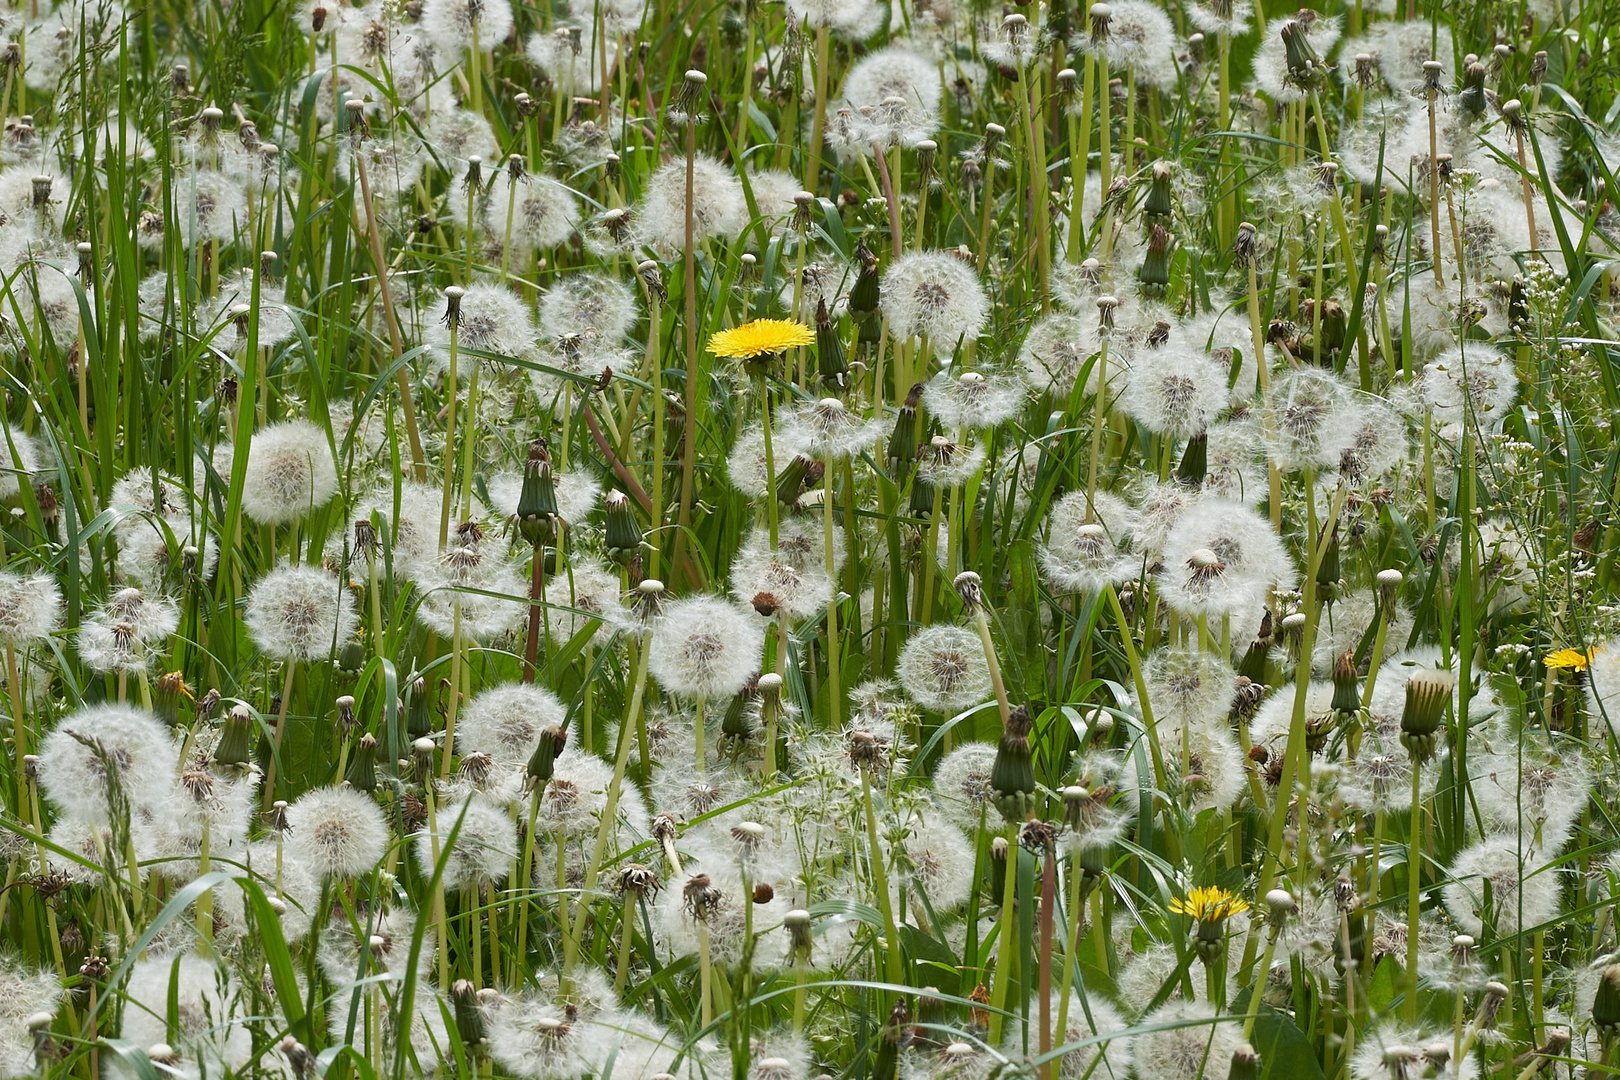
(135, 749)
(290, 473)
(705, 648)
(338, 832)
(943, 669)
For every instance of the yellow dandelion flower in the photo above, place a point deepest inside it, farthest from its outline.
(760, 338)
(1209, 904)
(1569, 659)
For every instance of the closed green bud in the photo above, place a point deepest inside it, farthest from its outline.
(1158, 202)
(1012, 773)
(537, 500)
(863, 298)
(621, 533)
(1155, 271)
(1303, 63)
(829, 348)
(1427, 693)
(1346, 687)
(419, 713)
(352, 657)
(903, 439)
(362, 772)
(543, 762)
(469, 1017)
(1606, 1002)
(236, 739)
(1245, 1064)
(1194, 460)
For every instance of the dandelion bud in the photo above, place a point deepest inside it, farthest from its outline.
(543, 762)
(469, 1018)
(1304, 66)
(537, 500)
(1346, 687)
(1158, 201)
(362, 774)
(236, 740)
(1155, 270)
(1427, 694)
(1245, 1064)
(1012, 773)
(998, 866)
(830, 361)
(418, 718)
(622, 533)
(1471, 99)
(903, 439)
(1194, 464)
(1606, 1003)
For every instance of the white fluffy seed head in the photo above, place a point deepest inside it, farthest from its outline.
(300, 614)
(338, 832)
(290, 473)
(705, 648)
(130, 746)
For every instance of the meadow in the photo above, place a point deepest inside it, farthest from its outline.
(859, 539)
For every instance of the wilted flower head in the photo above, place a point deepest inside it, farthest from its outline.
(290, 473)
(299, 613)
